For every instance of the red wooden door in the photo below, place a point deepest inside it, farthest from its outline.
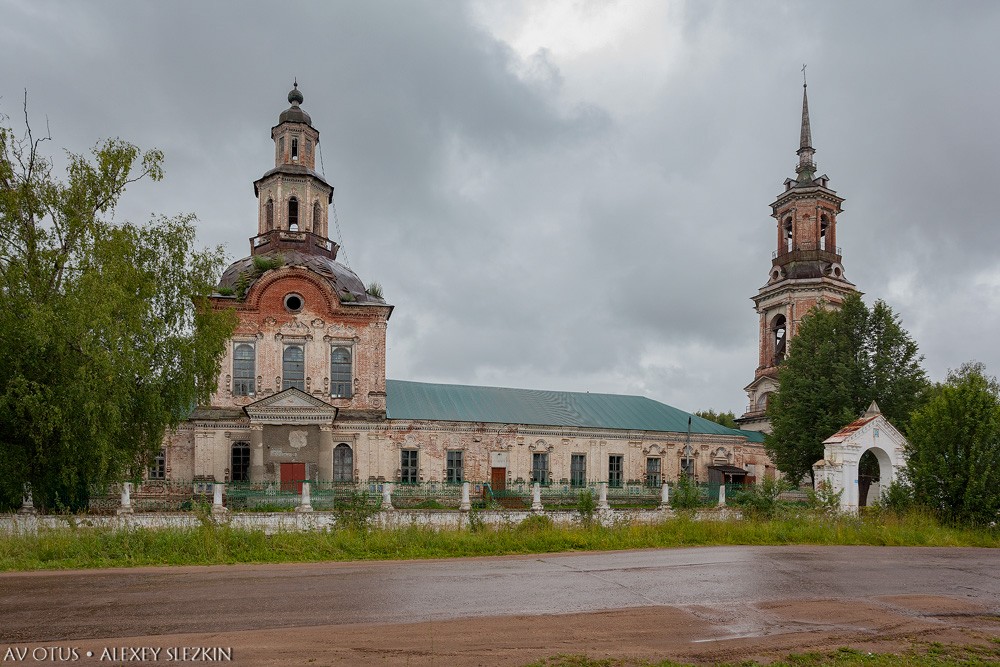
(498, 479)
(292, 475)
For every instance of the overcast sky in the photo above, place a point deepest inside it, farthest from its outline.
(563, 195)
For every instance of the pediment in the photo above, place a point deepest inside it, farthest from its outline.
(291, 406)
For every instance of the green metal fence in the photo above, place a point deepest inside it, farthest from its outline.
(181, 496)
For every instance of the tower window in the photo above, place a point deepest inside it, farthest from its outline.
(293, 368)
(309, 147)
(293, 215)
(269, 214)
(788, 234)
(240, 462)
(316, 221)
(243, 369)
(295, 148)
(824, 224)
(341, 375)
(778, 338)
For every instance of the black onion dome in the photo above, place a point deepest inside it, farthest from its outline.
(295, 95)
(243, 273)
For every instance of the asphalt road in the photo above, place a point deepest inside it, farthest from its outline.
(53, 606)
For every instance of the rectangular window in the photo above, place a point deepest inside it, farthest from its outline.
(615, 465)
(578, 470)
(687, 467)
(244, 369)
(408, 467)
(341, 372)
(159, 468)
(295, 148)
(540, 467)
(240, 468)
(455, 471)
(653, 476)
(293, 368)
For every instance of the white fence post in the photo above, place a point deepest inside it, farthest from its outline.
(536, 497)
(126, 507)
(466, 501)
(722, 495)
(387, 496)
(602, 497)
(305, 504)
(664, 496)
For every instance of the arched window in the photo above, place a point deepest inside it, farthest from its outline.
(341, 375)
(240, 465)
(293, 215)
(295, 148)
(317, 223)
(293, 368)
(343, 463)
(788, 234)
(269, 214)
(824, 224)
(243, 369)
(778, 338)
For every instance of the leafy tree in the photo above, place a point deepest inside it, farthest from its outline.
(727, 419)
(106, 337)
(954, 447)
(839, 362)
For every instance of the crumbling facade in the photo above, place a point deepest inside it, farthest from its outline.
(303, 394)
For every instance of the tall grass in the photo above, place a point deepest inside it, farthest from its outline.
(212, 544)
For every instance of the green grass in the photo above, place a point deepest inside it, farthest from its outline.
(919, 655)
(85, 547)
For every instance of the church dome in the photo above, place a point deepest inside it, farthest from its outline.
(294, 114)
(243, 273)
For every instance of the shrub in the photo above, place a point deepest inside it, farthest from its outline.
(355, 512)
(761, 501)
(687, 495)
(375, 290)
(586, 506)
(823, 499)
(535, 523)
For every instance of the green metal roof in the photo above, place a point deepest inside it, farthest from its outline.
(500, 405)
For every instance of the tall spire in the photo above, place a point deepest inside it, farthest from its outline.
(806, 168)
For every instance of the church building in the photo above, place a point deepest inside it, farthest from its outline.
(303, 394)
(806, 270)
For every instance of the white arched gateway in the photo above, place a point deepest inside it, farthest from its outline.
(842, 465)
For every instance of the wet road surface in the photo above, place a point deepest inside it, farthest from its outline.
(52, 606)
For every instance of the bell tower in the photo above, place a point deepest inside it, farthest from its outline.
(293, 200)
(806, 269)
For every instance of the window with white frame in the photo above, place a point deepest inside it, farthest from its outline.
(341, 372)
(654, 475)
(293, 367)
(244, 369)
